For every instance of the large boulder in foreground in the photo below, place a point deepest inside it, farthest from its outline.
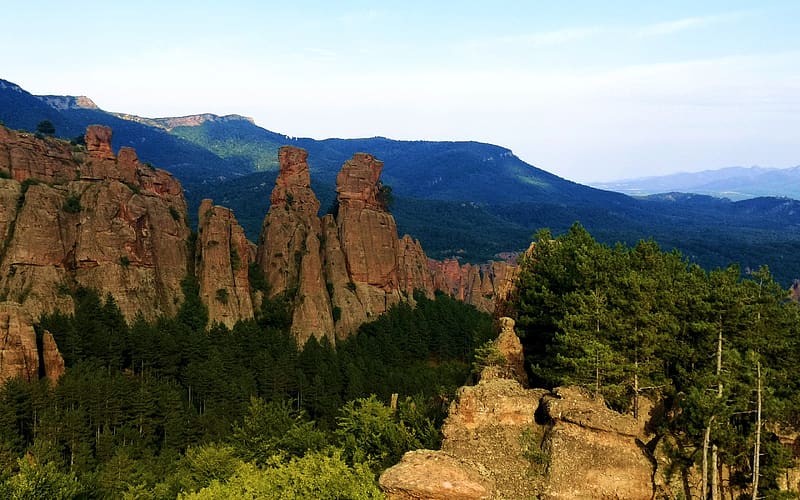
(502, 440)
(436, 475)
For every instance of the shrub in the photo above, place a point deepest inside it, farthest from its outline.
(45, 127)
(72, 205)
(222, 295)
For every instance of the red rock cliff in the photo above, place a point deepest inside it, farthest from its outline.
(223, 254)
(289, 252)
(87, 217)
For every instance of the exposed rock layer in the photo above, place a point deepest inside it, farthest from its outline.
(342, 270)
(529, 443)
(223, 255)
(19, 355)
(81, 216)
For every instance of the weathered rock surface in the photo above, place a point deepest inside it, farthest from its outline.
(52, 361)
(531, 443)
(367, 232)
(342, 270)
(289, 252)
(92, 219)
(510, 347)
(435, 475)
(593, 450)
(223, 254)
(19, 355)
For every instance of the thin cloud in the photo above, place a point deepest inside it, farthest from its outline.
(536, 39)
(688, 23)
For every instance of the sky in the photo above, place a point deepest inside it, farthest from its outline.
(590, 91)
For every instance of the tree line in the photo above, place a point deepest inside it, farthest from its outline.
(715, 352)
(177, 407)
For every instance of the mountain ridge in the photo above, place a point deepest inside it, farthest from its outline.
(461, 199)
(736, 183)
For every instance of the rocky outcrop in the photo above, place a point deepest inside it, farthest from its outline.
(19, 355)
(530, 443)
(510, 347)
(435, 475)
(593, 451)
(223, 255)
(85, 217)
(341, 270)
(289, 252)
(480, 285)
(52, 361)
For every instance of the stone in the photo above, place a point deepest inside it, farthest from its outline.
(290, 254)
(19, 356)
(435, 475)
(98, 142)
(223, 256)
(52, 361)
(115, 225)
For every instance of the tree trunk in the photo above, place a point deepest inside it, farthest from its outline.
(704, 466)
(757, 447)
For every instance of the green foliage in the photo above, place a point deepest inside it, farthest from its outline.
(256, 279)
(162, 408)
(487, 354)
(370, 432)
(125, 261)
(635, 322)
(173, 212)
(221, 295)
(315, 475)
(275, 428)
(46, 127)
(36, 482)
(236, 261)
(385, 197)
(530, 442)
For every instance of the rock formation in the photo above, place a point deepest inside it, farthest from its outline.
(290, 254)
(82, 216)
(342, 270)
(85, 217)
(223, 254)
(19, 355)
(528, 443)
(431, 475)
(52, 361)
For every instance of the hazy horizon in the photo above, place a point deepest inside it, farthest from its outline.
(590, 92)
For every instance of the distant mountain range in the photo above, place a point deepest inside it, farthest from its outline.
(734, 183)
(465, 199)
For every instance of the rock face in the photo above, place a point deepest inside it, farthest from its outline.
(289, 253)
(82, 216)
(52, 361)
(529, 443)
(85, 217)
(342, 270)
(223, 254)
(19, 354)
(436, 476)
(593, 450)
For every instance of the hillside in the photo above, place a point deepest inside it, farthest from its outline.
(464, 199)
(735, 183)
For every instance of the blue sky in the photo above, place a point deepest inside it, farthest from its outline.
(590, 91)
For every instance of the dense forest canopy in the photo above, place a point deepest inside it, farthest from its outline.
(179, 408)
(714, 350)
(157, 410)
